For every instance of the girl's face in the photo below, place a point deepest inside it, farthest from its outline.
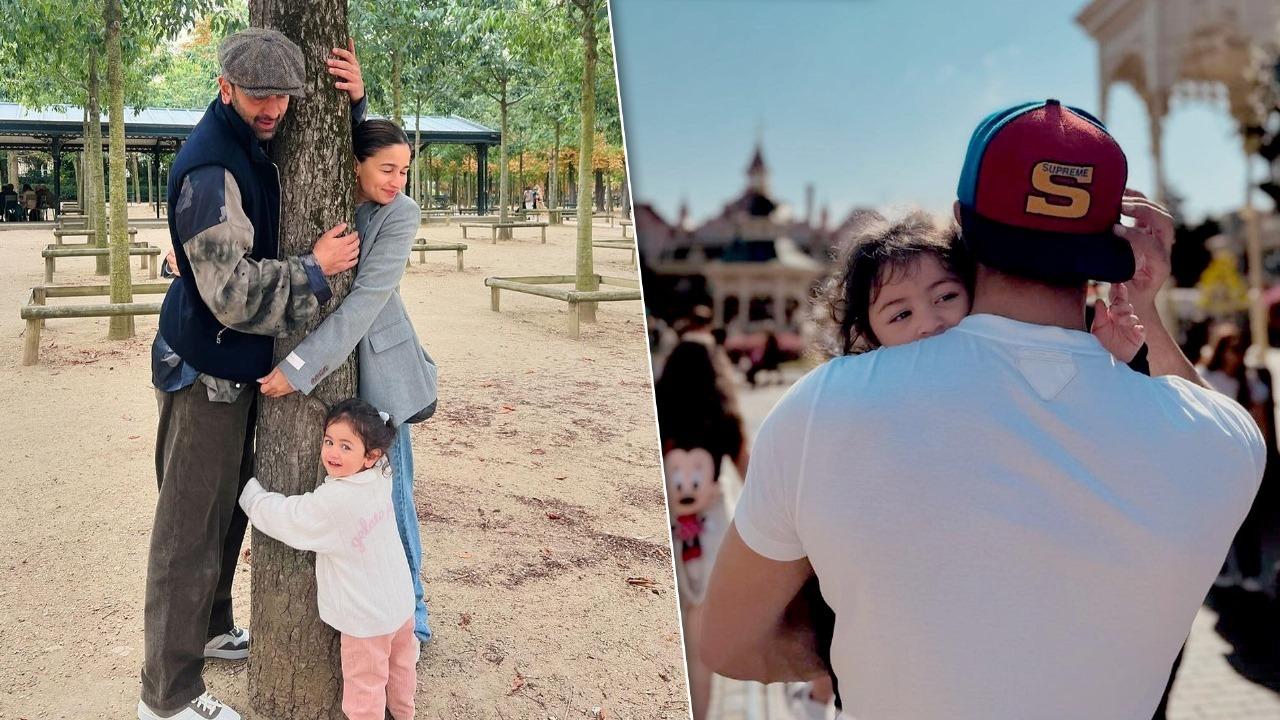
(382, 175)
(917, 301)
(343, 452)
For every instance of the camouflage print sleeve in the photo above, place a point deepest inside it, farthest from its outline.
(261, 297)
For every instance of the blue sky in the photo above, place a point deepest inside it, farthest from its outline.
(871, 100)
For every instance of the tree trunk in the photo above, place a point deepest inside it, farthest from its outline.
(599, 194)
(504, 197)
(625, 191)
(586, 278)
(93, 158)
(133, 170)
(120, 327)
(417, 150)
(553, 187)
(151, 193)
(75, 170)
(397, 87)
(13, 169)
(294, 671)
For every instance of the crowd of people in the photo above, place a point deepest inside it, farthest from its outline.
(25, 205)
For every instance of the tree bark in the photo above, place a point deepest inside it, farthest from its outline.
(397, 87)
(75, 170)
(133, 171)
(553, 186)
(93, 158)
(294, 671)
(504, 197)
(625, 191)
(586, 278)
(120, 327)
(417, 151)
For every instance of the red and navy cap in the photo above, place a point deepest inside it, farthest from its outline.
(1040, 192)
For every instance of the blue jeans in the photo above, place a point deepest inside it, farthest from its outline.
(401, 458)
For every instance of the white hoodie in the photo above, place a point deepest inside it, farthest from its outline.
(363, 586)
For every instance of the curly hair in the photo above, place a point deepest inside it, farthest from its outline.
(866, 261)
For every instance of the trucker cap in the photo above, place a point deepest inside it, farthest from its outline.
(1040, 192)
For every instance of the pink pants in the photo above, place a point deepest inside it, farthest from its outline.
(380, 673)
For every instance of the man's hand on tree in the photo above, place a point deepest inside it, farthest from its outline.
(171, 262)
(344, 66)
(336, 253)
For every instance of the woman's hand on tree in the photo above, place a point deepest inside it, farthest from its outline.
(275, 384)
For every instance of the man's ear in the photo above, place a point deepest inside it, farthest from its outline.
(224, 90)
(955, 210)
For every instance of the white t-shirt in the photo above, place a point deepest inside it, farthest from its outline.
(1008, 523)
(1230, 387)
(363, 586)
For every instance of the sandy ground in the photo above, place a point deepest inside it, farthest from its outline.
(538, 487)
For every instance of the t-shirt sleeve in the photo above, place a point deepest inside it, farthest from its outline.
(766, 516)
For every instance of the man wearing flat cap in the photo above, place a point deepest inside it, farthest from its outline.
(231, 298)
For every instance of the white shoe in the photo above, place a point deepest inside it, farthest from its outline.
(205, 707)
(801, 703)
(1251, 584)
(230, 645)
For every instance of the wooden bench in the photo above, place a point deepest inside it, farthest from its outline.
(493, 228)
(615, 245)
(35, 312)
(85, 233)
(51, 254)
(429, 216)
(423, 246)
(533, 285)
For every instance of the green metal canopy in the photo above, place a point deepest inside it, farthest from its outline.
(155, 130)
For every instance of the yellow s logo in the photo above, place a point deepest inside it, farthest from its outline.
(1042, 179)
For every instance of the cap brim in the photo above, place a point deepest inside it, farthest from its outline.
(268, 92)
(1054, 257)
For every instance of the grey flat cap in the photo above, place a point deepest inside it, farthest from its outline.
(262, 62)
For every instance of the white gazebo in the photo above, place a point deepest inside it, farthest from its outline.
(1210, 50)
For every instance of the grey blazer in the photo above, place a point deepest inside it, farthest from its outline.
(396, 374)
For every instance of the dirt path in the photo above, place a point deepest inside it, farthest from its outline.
(538, 488)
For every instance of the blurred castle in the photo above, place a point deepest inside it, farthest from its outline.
(753, 263)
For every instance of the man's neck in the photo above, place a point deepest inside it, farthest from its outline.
(996, 293)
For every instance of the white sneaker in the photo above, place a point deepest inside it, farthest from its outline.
(231, 645)
(802, 705)
(1251, 584)
(205, 707)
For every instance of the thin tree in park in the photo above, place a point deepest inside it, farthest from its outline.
(588, 12)
(121, 326)
(294, 671)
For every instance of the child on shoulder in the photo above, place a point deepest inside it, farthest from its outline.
(363, 586)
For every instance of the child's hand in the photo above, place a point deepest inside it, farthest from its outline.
(276, 384)
(1117, 327)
